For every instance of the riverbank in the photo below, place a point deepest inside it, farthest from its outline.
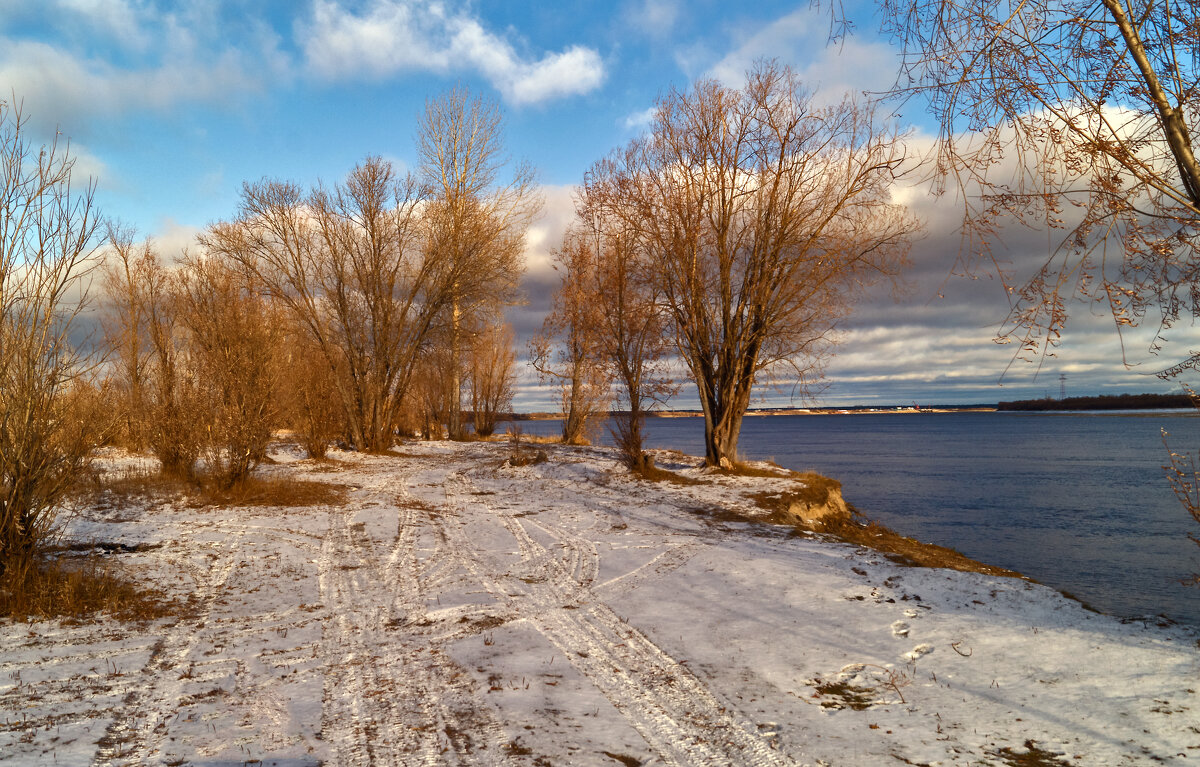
(458, 608)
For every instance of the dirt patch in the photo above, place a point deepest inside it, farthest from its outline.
(1030, 756)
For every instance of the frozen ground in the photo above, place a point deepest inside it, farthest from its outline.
(460, 611)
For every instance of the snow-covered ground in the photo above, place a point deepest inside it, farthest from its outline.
(460, 611)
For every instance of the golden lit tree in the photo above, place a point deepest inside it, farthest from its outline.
(760, 216)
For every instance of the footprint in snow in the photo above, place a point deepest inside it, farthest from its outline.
(918, 651)
(910, 613)
(900, 629)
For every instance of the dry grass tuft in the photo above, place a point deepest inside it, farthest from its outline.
(145, 486)
(259, 491)
(740, 469)
(155, 487)
(76, 588)
(652, 473)
(844, 694)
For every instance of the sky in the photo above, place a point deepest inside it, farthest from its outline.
(172, 106)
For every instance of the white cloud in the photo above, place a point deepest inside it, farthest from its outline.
(801, 39)
(87, 165)
(575, 71)
(173, 238)
(654, 18)
(117, 19)
(59, 88)
(546, 233)
(394, 36)
(640, 120)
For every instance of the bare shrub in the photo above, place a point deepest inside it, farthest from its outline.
(348, 265)
(568, 351)
(307, 394)
(173, 428)
(520, 454)
(48, 233)
(125, 335)
(231, 345)
(492, 377)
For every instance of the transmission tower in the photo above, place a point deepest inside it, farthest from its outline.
(1062, 386)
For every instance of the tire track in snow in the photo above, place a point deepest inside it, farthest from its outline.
(392, 697)
(138, 730)
(679, 717)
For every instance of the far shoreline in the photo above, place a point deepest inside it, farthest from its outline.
(853, 410)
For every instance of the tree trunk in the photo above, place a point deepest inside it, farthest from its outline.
(454, 424)
(721, 438)
(1174, 127)
(724, 406)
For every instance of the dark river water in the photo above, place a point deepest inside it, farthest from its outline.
(1079, 502)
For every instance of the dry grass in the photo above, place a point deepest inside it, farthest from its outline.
(770, 472)
(652, 473)
(260, 491)
(814, 490)
(76, 588)
(844, 694)
(909, 551)
(542, 439)
(156, 488)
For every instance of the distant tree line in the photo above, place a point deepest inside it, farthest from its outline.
(1102, 402)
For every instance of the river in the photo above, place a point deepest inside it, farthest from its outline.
(1079, 502)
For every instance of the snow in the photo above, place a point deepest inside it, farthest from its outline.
(458, 610)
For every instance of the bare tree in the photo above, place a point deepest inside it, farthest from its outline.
(493, 376)
(48, 237)
(231, 347)
(568, 351)
(350, 265)
(307, 391)
(1075, 116)
(476, 220)
(633, 337)
(125, 332)
(172, 403)
(761, 217)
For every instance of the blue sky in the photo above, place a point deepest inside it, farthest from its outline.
(171, 106)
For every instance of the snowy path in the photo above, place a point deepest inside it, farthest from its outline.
(459, 611)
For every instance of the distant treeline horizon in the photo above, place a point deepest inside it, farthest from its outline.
(1101, 402)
